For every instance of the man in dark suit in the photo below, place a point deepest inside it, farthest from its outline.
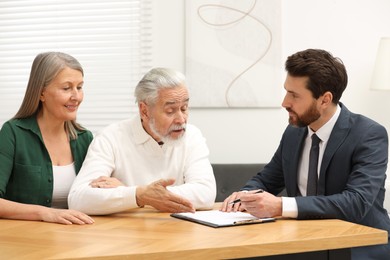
(350, 171)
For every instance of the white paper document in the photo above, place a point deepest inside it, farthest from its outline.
(216, 218)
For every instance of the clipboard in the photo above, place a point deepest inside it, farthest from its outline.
(217, 218)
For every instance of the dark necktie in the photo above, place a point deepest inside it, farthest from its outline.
(313, 166)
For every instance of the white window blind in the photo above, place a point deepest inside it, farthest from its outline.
(110, 38)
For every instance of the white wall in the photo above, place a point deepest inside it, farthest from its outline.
(350, 29)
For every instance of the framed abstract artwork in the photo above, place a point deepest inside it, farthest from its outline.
(233, 53)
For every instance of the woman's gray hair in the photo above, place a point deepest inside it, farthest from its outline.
(154, 80)
(46, 66)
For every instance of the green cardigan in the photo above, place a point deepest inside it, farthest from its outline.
(26, 172)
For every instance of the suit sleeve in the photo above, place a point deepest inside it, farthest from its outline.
(271, 177)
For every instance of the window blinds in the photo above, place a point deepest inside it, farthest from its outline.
(110, 38)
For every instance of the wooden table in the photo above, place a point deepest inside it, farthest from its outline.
(147, 234)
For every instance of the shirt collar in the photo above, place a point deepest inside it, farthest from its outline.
(29, 123)
(324, 132)
(140, 135)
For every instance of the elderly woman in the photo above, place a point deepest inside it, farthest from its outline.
(42, 147)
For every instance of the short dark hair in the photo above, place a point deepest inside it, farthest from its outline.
(324, 72)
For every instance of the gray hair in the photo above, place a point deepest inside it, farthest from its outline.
(44, 69)
(154, 80)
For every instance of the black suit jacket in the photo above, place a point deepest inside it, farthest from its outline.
(351, 180)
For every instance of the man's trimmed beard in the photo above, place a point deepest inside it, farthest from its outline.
(310, 115)
(167, 139)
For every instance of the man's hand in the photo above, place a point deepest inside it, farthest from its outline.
(106, 182)
(157, 196)
(227, 205)
(260, 205)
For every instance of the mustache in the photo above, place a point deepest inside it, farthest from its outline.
(177, 127)
(290, 111)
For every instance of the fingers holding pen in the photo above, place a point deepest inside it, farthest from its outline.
(262, 204)
(251, 195)
(228, 204)
(233, 202)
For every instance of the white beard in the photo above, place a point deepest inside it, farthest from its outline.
(167, 139)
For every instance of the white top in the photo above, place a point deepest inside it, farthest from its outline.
(124, 150)
(63, 178)
(290, 208)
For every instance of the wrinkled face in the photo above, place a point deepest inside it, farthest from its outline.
(302, 107)
(166, 120)
(63, 95)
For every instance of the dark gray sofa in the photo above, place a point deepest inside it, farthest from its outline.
(232, 177)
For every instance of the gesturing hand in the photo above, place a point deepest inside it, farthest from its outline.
(157, 196)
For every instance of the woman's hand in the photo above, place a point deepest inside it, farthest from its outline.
(106, 182)
(65, 216)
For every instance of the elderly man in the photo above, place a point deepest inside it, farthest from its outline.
(154, 159)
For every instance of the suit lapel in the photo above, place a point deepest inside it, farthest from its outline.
(337, 137)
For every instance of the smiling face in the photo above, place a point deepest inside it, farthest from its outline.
(62, 96)
(166, 120)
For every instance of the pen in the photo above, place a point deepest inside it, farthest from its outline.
(250, 221)
(238, 200)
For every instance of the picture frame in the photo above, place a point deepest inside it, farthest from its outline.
(233, 53)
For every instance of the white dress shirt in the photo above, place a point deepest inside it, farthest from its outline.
(290, 208)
